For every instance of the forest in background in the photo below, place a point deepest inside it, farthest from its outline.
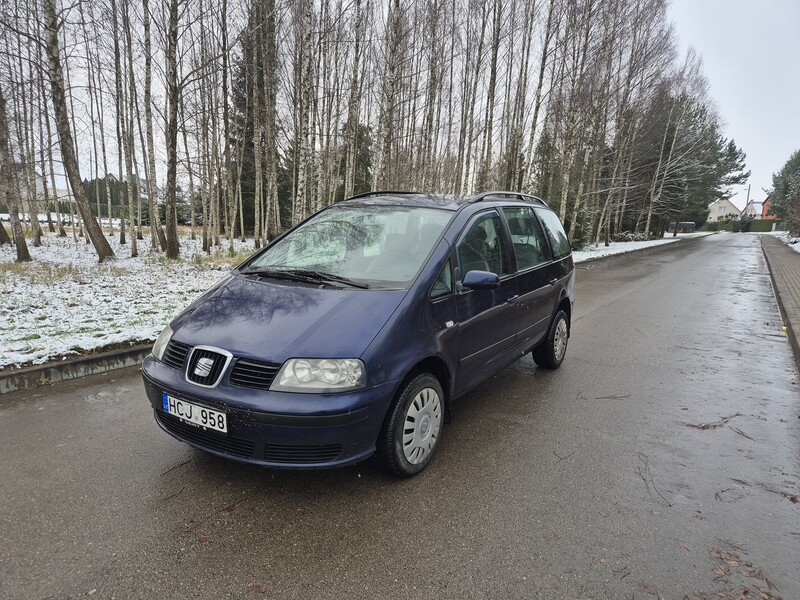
(250, 115)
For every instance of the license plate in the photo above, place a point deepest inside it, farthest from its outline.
(199, 415)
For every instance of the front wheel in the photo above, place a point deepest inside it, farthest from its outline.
(550, 353)
(413, 427)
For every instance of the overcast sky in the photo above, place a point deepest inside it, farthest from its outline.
(751, 56)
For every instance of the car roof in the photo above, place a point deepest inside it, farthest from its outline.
(441, 201)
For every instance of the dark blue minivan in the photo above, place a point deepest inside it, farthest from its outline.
(353, 333)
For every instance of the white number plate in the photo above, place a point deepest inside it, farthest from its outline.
(199, 415)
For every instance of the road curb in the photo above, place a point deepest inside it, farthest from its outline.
(33, 377)
(790, 317)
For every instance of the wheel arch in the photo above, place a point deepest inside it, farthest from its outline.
(566, 306)
(437, 367)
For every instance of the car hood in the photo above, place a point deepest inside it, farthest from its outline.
(275, 321)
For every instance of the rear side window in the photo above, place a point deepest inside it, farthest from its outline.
(527, 236)
(555, 233)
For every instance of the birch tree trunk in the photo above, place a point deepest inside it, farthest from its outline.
(486, 164)
(472, 101)
(68, 156)
(101, 120)
(42, 108)
(7, 184)
(27, 184)
(528, 186)
(655, 193)
(353, 107)
(49, 143)
(301, 205)
(152, 180)
(92, 92)
(272, 224)
(122, 136)
(256, 60)
(191, 179)
(4, 239)
(171, 130)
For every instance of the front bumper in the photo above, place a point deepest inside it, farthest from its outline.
(274, 429)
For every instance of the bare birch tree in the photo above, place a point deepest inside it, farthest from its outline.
(67, 144)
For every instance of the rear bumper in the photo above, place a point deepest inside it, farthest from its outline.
(274, 429)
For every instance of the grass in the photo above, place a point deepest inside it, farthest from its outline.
(35, 272)
(39, 273)
(221, 260)
(31, 337)
(218, 259)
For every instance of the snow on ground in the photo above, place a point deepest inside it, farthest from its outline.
(792, 242)
(591, 253)
(65, 303)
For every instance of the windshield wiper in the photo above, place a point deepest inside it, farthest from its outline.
(304, 275)
(323, 276)
(281, 274)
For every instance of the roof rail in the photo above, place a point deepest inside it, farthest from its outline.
(381, 193)
(520, 195)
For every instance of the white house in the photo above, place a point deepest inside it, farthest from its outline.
(722, 210)
(753, 209)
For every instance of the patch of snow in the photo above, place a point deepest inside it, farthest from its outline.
(792, 242)
(65, 303)
(590, 252)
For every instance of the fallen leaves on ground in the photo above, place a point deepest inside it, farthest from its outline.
(650, 590)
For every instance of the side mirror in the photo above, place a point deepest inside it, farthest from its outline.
(481, 280)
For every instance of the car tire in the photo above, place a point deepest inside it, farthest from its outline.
(551, 352)
(413, 427)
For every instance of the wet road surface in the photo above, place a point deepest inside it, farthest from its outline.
(660, 461)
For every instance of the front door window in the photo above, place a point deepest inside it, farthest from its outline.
(483, 246)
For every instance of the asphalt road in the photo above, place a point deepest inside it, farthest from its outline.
(661, 460)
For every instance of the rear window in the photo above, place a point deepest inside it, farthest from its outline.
(555, 233)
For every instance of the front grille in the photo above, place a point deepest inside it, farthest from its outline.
(207, 439)
(252, 374)
(206, 366)
(175, 354)
(301, 454)
(230, 444)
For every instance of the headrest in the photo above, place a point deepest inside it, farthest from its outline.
(518, 226)
(478, 233)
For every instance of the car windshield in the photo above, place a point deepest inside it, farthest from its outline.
(379, 246)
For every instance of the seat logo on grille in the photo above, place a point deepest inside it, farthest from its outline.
(204, 366)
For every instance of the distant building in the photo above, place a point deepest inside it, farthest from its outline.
(765, 206)
(723, 210)
(752, 209)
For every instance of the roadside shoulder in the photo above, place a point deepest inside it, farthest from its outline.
(784, 268)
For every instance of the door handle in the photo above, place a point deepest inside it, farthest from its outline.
(553, 281)
(512, 298)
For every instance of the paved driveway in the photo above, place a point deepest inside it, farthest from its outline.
(661, 460)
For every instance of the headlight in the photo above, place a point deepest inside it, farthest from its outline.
(319, 375)
(161, 342)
